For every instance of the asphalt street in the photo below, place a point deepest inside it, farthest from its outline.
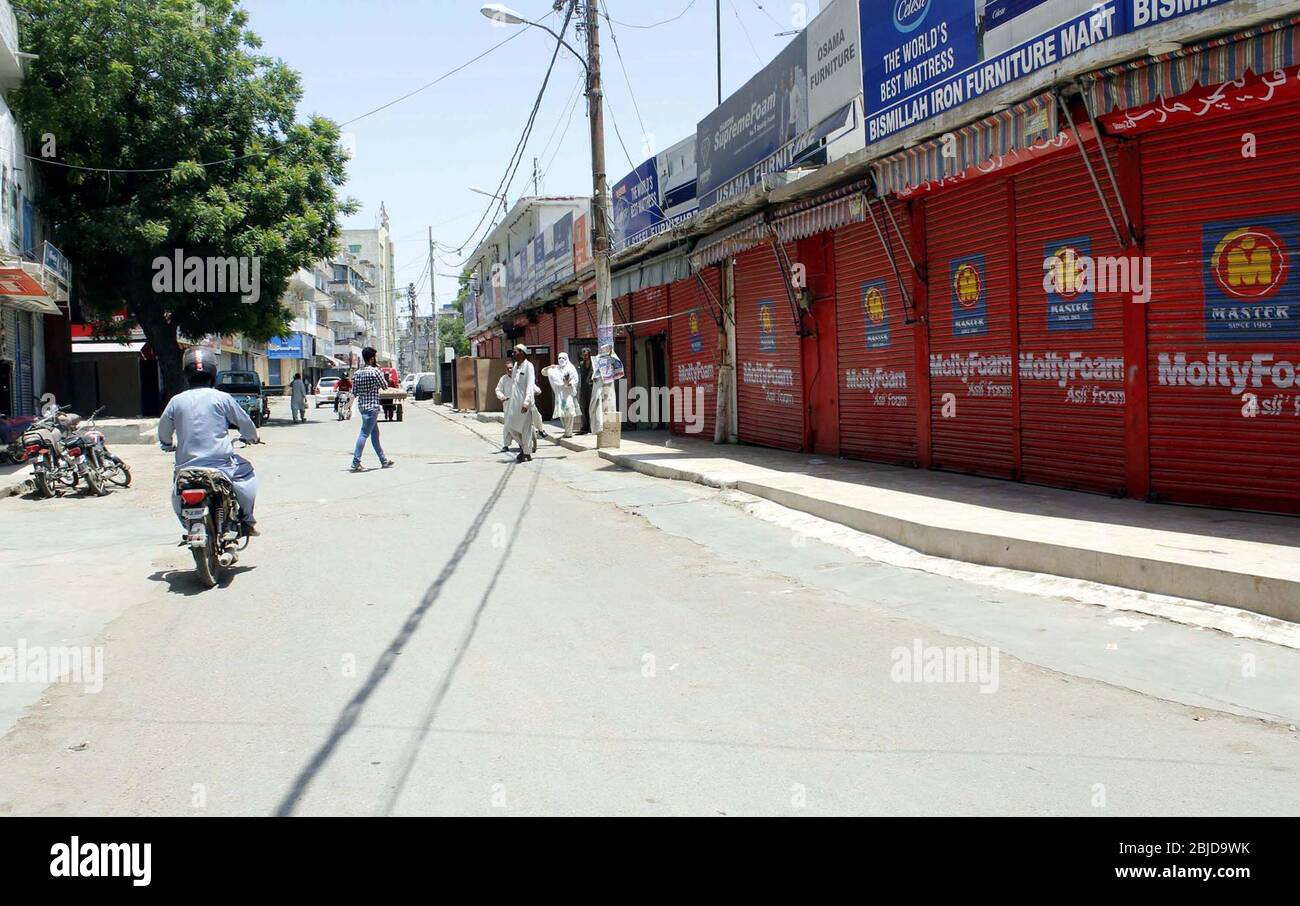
(465, 635)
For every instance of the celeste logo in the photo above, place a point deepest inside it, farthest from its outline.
(909, 14)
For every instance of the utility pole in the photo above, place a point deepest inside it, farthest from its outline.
(413, 331)
(611, 436)
(437, 328)
(719, 21)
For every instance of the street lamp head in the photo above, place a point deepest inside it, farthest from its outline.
(482, 191)
(503, 14)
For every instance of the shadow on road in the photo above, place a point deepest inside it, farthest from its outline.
(352, 711)
(431, 713)
(186, 581)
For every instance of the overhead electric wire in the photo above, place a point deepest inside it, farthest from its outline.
(618, 52)
(748, 39)
(503, 187)
(663, 22)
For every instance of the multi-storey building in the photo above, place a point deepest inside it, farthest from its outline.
(373, 251)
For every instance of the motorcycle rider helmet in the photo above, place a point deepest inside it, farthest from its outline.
(200, 366)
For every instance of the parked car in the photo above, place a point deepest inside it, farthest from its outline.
(246, 388)
(326, 391)
(408, 382)
(425, 385)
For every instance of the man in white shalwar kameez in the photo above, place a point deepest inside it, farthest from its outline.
(503, 394)
(520, 409)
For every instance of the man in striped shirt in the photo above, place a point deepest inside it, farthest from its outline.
(366, 384)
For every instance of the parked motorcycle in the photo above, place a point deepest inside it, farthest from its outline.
(213, 519)
(42, 444)
(110, 468)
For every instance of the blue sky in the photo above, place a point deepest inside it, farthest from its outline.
(420, 156)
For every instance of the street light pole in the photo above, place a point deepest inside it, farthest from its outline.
(611, 434)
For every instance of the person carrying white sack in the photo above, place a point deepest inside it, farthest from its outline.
(564, 382)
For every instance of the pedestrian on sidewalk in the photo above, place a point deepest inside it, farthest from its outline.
(503, 394)
(564, 382)
(366, 384)
(298, 399)
(586, 373)
(523, 404)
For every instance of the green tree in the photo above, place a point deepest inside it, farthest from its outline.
(177, 89)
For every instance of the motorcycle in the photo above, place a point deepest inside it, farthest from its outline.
(81, 450)
(213, 519)
(42, 445)
(107, 466)
(343, 405)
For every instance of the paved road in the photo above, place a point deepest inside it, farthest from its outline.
(465, 635)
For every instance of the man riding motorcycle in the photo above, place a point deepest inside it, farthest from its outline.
(199, 419)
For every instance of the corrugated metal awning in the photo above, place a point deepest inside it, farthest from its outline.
(1261, 50)
(655, 272)
(731, 241)
(1020, 128)
(827, 211)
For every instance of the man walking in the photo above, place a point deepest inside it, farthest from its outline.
(519, 411)
(366, 384)
(503, 394)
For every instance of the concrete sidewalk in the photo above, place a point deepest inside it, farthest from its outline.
(1245, 560)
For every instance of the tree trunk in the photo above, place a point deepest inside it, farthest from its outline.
(160, 333)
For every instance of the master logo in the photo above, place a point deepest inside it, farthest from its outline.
(766, 326)
(1249, 291)
(876, 314)
(1070, 296)
(1250, 263)
(697, 337)
(969, 301)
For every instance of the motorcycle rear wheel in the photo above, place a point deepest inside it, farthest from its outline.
(205, 558)
(43, 486)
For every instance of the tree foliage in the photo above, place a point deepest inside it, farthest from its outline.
(179, 89)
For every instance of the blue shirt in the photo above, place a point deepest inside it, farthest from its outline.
(200, 420)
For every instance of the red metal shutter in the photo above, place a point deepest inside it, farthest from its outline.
(648, 305)
(769, 378)
(1223, 324)
(693, 354)
(586, 315)
(546, 332)
(1070, 360)
(969, 249)
(565, 327)
(877, 360)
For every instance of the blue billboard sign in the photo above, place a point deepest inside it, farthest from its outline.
(786, 114)
(635, 199)
(928, 57)
(290, 347)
